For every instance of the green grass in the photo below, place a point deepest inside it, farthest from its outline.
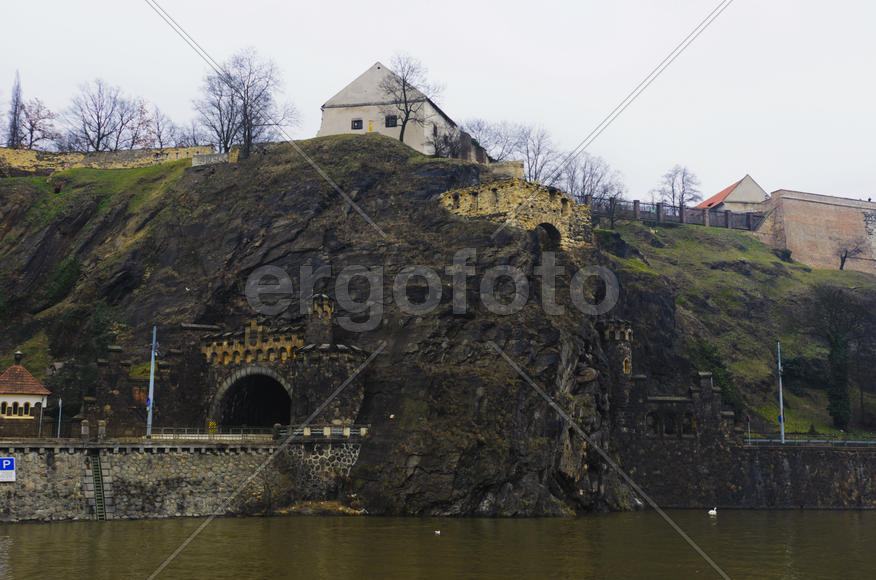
(745, 297)
(77, 186)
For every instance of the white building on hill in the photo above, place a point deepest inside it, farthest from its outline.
(364, 107)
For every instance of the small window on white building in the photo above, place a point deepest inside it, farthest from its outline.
(356, 124)
(392, 121)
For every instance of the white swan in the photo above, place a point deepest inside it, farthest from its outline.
(713, 511)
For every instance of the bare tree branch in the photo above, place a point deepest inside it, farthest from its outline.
(679, 186)
(407, 89)
(239, 106)
(38, 124)
(500, 140)
(540, 158)
(846, 249)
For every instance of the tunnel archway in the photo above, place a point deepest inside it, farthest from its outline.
(252, 397)
(255, 401)
(548, 235)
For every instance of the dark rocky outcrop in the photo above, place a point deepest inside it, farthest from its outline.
(454, 429)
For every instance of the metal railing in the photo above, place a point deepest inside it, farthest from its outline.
(217, 434)
(673, 214)
(257, 433)
(805, 439)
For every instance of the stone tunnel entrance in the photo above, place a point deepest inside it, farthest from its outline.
(253, 400)
(549, 237)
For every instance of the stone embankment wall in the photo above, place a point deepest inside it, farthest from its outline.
(26, 162)
(687, 473)
(54, 481)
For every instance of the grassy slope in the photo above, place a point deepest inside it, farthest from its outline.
(130, 189)
(731, 290)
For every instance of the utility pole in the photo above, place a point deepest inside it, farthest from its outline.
(781, 406)
(60, 409)
(149, 402)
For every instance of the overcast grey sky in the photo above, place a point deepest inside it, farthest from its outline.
(783, 90)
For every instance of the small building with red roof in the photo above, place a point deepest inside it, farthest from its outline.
(743, 196)
(22, 399)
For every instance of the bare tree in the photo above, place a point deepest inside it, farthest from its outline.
(679, 186)
(137, 131)
(407, 90)
(38, 124)
(240, 105)
(190, 136)
(540, 159)
(14, 132)
(589, 175)
(846, 249)
(218, 112)
(500, 140)
(446, 142)
(163, 130)
(97, 118)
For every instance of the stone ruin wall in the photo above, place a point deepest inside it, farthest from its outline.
(15, 162)
(524, 205)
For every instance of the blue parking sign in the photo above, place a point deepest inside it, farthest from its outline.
(7, 469)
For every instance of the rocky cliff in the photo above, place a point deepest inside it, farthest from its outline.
(93, 257)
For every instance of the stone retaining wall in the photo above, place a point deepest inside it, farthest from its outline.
(688, 473)
(159, 481)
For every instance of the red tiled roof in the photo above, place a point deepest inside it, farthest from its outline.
(718, 197)
(17, 381)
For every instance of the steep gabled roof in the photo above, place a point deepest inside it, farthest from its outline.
(746, 191)
(719, 197)
(365, 90)
(18, 381)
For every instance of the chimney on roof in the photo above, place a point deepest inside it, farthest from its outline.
(18, 355)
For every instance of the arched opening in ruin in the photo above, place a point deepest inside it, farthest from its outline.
(548, 235)
(255, 400)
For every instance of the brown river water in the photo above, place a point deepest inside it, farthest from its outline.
(745, 544)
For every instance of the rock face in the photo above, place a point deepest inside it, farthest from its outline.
(455, 429)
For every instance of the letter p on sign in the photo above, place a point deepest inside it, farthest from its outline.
(7, 469)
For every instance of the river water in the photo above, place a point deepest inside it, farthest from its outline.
(746, 544)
